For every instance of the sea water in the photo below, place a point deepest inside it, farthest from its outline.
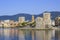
(17, 34)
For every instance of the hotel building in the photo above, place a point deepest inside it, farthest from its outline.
(21, 19)
(47, 19)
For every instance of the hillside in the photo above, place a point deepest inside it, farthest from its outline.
(54, 14)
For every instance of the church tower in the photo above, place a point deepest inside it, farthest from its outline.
(33, 18)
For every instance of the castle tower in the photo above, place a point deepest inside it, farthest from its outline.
(33, 18)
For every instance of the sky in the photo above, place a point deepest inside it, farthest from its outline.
(12, 7)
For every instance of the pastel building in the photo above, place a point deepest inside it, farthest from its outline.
(21, 19)
(47, 19)
(6, 23)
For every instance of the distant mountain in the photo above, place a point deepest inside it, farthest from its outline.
(15, 17)
(54, 14)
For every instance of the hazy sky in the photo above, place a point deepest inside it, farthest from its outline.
(12, 7)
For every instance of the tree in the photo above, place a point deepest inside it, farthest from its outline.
(33, 24)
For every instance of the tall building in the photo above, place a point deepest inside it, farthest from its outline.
(47, 19)
(21, 19)
(32, 18)
(39, 22)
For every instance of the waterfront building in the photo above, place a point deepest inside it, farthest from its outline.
(11, 23)
(57, 21)
(47, 19)
(21, 19)
(39, 22)
(6, 23)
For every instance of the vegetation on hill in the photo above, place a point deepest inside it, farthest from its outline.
(24, 24)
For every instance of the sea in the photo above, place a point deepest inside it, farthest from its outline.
(26, 34)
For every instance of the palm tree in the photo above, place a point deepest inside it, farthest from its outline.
(22, 24)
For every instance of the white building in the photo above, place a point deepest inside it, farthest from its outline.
(47, 19)
(21, 19)
(6, 23)
(39, 22)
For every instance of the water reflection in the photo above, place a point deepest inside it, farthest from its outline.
(57, 35)
(17, 34)
(1, 34)
(21, 35)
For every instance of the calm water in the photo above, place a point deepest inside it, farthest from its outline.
(17, 34)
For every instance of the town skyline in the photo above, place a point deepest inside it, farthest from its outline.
(29, 19)
(45, 24)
